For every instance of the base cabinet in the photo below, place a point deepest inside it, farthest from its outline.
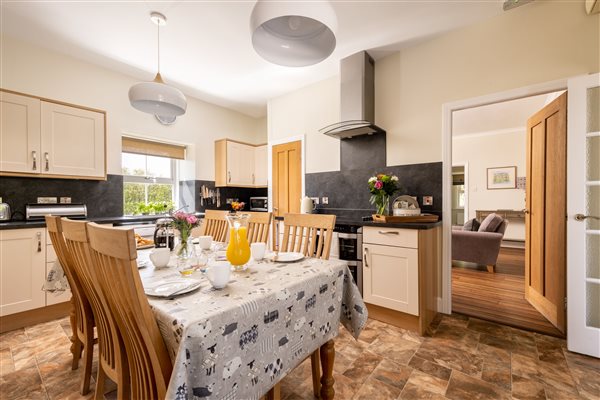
(22, 270)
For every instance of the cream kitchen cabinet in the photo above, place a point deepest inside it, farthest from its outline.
(260, 166)
(22, 270)
(53, 298)
(236, 163)
(401, 274)
(49, 139)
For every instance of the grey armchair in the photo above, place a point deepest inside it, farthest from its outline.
(478, 247)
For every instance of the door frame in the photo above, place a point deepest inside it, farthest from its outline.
(465, 166)
(276, 142)
(445, 302)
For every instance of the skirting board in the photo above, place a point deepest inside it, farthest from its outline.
(33, 317)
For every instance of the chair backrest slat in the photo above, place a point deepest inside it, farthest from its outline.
(114, 254)
(258, 226)
(308, 233)
(214, 224)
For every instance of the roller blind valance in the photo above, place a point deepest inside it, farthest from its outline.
(150, 148)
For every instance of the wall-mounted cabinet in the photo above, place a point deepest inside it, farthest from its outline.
(240, 164)
(42, 138)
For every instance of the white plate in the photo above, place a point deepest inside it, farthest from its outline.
(172, 287)
(287, 257)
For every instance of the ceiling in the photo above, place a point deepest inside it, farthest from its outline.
(501, 117)
(206, 48)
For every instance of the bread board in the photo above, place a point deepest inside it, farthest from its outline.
(391, 219)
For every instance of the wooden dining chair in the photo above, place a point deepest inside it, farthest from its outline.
(311, 235)
(213, 224)
(114, 254)
(112, 360)
(258, 226)
(82, 317)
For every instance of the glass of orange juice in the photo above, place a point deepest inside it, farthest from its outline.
(238, 249)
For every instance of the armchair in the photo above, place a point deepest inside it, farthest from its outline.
(478, 247)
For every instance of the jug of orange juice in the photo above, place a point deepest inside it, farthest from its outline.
(238, 249)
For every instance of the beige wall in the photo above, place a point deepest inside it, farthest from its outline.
(30, 69)
(488, 151)
(539, 42)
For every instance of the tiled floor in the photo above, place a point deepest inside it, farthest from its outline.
(464, 358)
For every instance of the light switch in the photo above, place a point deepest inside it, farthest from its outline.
(427, 200)
(325, 200)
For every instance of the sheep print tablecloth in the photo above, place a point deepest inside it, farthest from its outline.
(237, 342)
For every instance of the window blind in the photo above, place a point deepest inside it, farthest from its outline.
(151, 148)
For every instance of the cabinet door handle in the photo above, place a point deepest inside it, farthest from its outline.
(34, 156)
(47, 168)
(252, 178)
(365, 255)
(228, 176)
(388, 232)
(39, 238)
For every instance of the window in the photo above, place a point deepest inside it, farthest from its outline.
(149, 183)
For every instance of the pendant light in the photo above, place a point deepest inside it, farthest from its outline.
(158, 98)
(293, 34)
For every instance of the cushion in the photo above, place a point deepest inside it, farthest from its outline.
(471, 225)
(490, 223)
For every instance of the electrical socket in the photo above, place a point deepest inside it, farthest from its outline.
(325, 200)
(47, 200)
(315, 200)
(65, 200)
(427, 200)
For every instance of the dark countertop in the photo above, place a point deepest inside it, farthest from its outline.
(123, 220)
(402, 225)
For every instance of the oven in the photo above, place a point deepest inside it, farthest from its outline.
(259, 204)
(349, 248)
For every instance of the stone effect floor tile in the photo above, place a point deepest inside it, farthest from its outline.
(460, 358)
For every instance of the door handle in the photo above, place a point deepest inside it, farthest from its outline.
(34, 156)
(388, 232)
(365, 255)
(525, 210)
(39, 246)
(581, 217)
(47, 168)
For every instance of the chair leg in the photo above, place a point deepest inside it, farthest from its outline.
(274, 393)
(76, 348)
(100, 382)
(87, 366)
(315, 365)
(491, 268)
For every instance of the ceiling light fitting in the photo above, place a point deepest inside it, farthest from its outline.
(293, 34)
(156, 97)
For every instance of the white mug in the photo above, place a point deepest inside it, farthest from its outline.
(205, 242)
(160, 257)
(218, 273)
(258, 250)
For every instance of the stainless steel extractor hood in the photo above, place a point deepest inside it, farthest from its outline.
(357, 109)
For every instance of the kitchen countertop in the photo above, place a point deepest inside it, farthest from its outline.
(122, 220)
(402, 225)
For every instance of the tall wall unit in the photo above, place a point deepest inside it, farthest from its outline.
(239, 164)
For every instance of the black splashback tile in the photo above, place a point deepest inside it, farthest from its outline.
(242, 194)
(363, 151)
(347, 189)
(103, 198)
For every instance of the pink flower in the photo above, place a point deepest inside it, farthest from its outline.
(191, 219)
(378, 185)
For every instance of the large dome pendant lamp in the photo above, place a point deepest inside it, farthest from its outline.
(158, 98)
(293, 34)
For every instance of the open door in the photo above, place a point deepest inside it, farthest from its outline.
(287, 178)
(545, 221)
(583, 224)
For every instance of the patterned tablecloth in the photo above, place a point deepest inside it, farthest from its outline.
(236, 343)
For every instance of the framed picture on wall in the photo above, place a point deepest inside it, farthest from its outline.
(502, 178)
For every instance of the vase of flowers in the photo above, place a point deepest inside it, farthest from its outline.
(184, 223)
(382, 187)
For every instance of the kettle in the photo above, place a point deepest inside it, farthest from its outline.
(4, 211)
(307, 205)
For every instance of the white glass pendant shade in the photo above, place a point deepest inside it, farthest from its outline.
(293, 34)
(157, 98)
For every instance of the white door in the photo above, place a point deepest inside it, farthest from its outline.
(72, 141)
(583, 210)
(19, 133)
(22, 270)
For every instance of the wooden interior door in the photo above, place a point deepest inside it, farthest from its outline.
(287, 179)
(545, 221)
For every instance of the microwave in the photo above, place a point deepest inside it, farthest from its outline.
(259, 203)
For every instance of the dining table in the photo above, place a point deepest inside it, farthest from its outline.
(239, 341)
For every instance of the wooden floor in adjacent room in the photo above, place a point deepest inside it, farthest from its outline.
(500, 296)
